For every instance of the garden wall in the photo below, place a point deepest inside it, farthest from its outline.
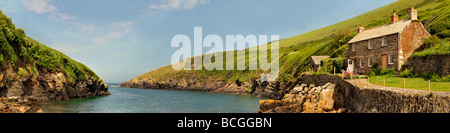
(433, 64)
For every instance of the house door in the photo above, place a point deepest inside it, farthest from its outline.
(351, 66)
(384, 60)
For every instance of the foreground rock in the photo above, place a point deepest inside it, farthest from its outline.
(305, 99)
(332, 94)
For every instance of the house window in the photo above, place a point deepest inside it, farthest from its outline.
(353, 47)
(370, 44)
(384, 42)
(369, 63)
(350, 62)
(361, 63)
(391, 58)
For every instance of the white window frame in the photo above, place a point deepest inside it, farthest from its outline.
(384, 41)
(353, 47)
(350, 62)
(361, 63)
(370, 45)
(389, 59)
(369, 61)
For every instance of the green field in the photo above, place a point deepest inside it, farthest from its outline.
(411, 83)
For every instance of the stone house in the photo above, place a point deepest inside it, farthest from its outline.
(316, 62)
(388, 46)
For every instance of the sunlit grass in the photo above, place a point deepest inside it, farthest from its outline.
(411, 83)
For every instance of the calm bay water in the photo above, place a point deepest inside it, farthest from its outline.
(131, 100)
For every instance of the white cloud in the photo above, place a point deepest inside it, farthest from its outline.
(89, 33)
(178, 4)
(44, 6)
(112, 32)
(87, 27)
(62, 16)
(39, 6)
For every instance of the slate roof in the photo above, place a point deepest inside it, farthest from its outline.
(381, 31)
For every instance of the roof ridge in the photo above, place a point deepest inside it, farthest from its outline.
(385, 24)
(382, 30)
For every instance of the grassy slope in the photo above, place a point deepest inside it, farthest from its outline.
(29, 57)
(295, 52)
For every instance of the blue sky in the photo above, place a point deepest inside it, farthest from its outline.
(122, 39)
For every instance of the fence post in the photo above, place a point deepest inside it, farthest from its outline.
(351, 76)
(334, 70)
(404, 80)
(429, 86)
(368, 80)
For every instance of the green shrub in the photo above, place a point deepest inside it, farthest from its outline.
(444, 34)
(338, 64)
(430, 94)
(375, 70)
(408, 74)
(436, 78)
(22, 72)
(430, 42)
(389, 72)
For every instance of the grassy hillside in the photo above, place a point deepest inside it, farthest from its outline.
(295, 52)
(29, 57)
(363, 19)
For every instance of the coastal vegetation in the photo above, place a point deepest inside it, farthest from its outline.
(29, 57)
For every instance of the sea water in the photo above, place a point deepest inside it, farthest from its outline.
(132, 100)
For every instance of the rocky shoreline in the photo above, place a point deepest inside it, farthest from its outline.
(192, 83)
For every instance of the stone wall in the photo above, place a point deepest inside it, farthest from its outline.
(435, 64)
(412, 37)
(346, 97)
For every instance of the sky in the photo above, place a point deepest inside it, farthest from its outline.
(122, 39)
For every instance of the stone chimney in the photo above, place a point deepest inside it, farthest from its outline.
(394, 18)
(412, 14)
(360, 28)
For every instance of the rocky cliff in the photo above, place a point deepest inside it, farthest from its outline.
(47, 86)
(31, 72)
(332, 94)
(18, 93)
